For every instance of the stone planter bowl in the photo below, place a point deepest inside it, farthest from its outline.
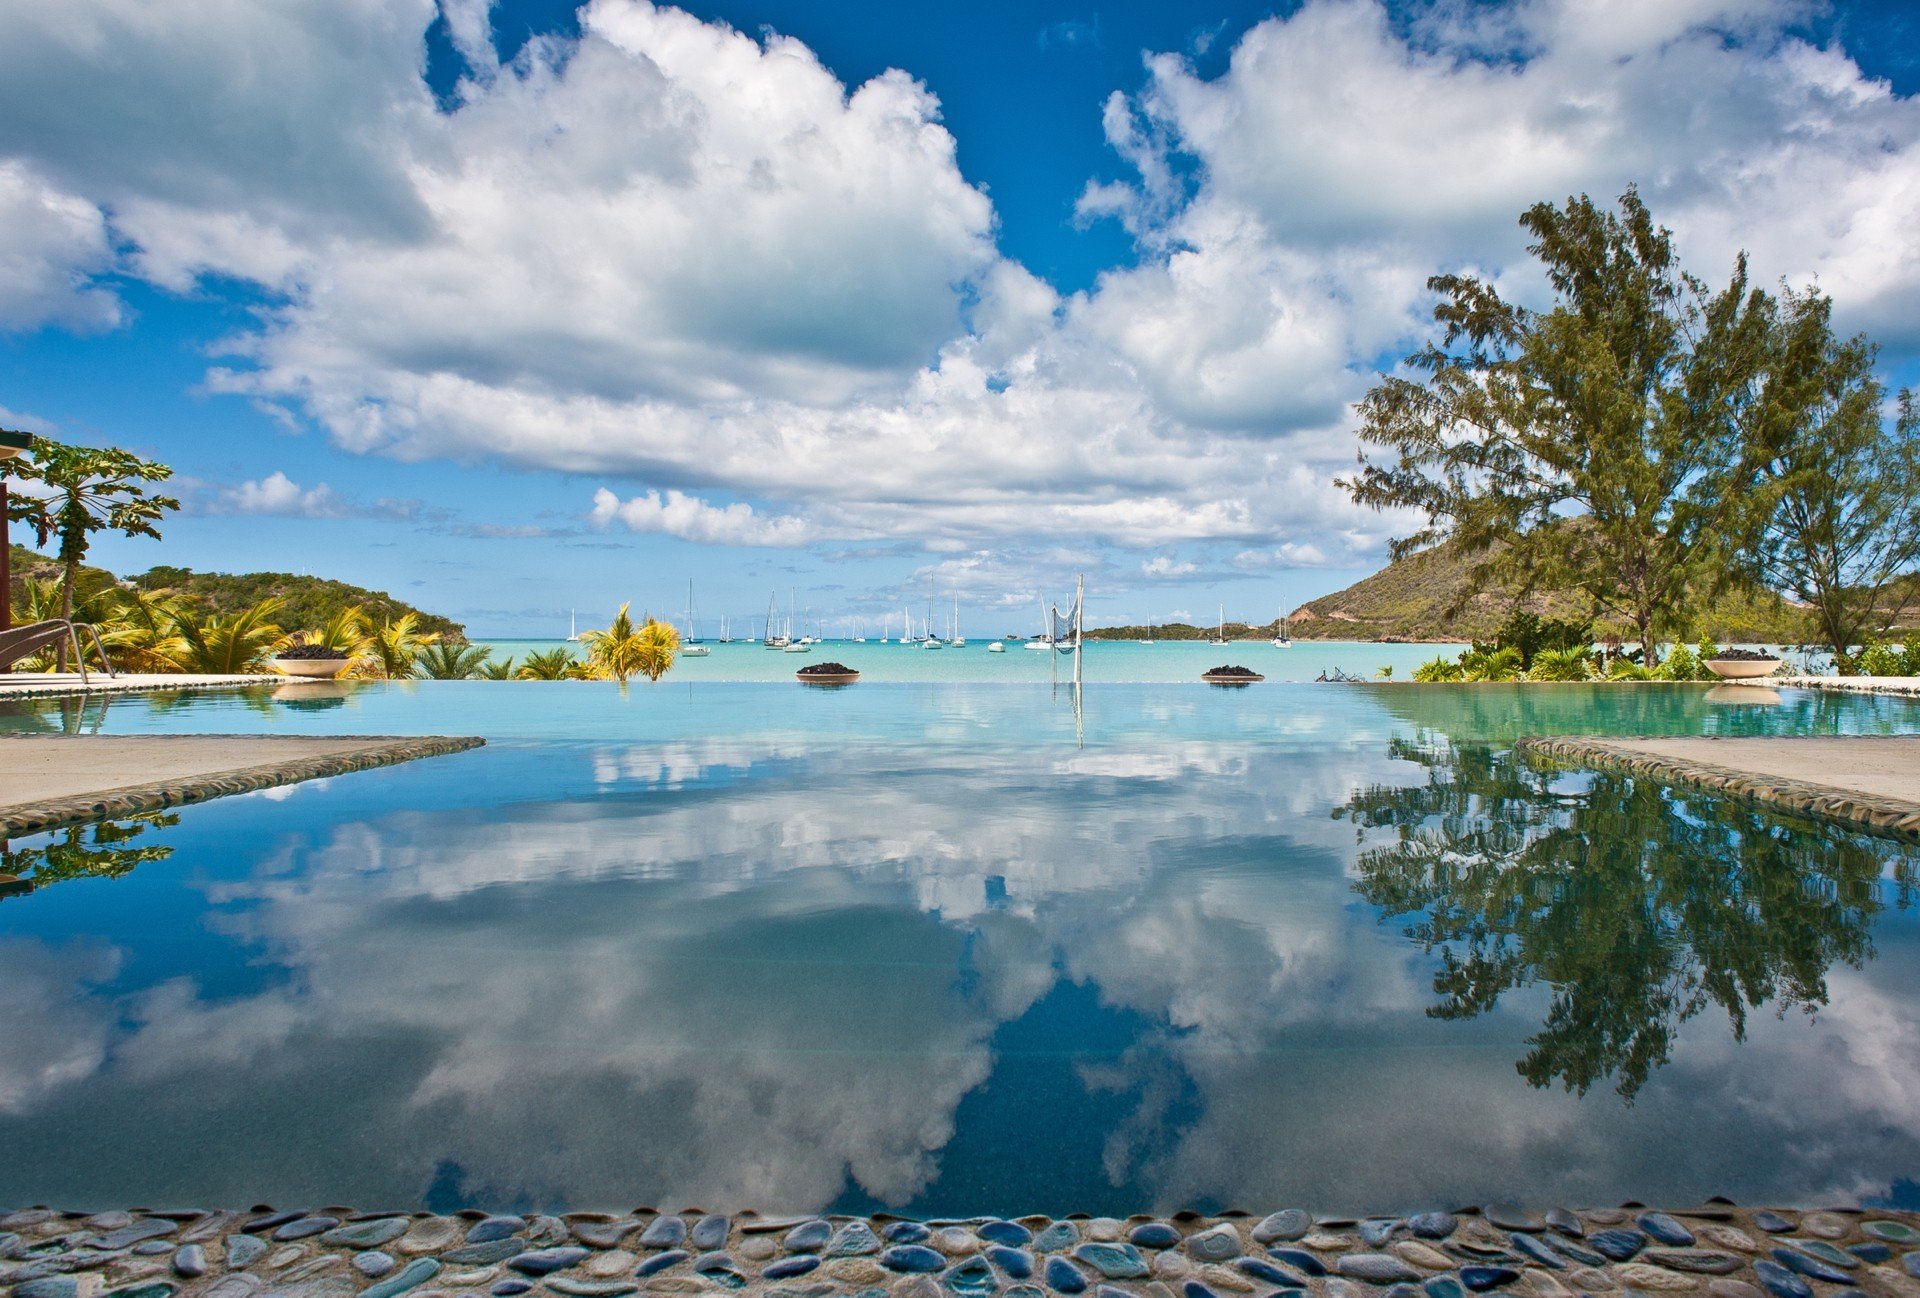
(827, 678)
(312, 669)
(1742, 669)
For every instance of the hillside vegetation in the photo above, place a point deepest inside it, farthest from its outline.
(309, 601)
(1432, 596)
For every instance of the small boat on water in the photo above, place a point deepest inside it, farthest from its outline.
(691, 646)
(1281, 640)
(772, 639)
(573, 629)
(1220, 635)
(996, 648)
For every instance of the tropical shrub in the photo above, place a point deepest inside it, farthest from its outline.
(1562, 665)
(233, 645)
(393, 650)
(622, 650)
(1484, 663)
(496, 669)
(1625, 669)
(441, 661)
(1881, 659)
(1439, 670)
(552, 665)
(1532, 634)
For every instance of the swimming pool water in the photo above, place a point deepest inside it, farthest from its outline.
(959, 949)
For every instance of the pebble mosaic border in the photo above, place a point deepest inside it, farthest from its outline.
(378, 750)
(1905, 686)
(1889, 817)
(1716, 1251)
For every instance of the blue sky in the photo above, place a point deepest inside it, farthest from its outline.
(519, 308)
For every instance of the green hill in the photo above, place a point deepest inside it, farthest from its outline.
(1432, 596)
(310, 601)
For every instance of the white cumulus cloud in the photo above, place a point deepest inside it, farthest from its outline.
(674, 513)
(675, 254)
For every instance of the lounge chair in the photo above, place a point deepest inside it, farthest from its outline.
(22, 641)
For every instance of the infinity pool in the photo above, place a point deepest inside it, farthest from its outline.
(960, 949)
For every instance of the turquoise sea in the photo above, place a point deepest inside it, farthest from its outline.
(1114, 662)
(950, 948)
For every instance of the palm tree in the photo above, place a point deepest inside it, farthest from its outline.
(621, 651)
(228, 646)
(88, 489)
(347, 630)
(659, 642)
(551, 665)
(443, 661)
(396, 646)
(136, 630)
(142, 632)
(497, 669)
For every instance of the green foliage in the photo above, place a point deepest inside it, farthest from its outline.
(231, 645)
(443, 661)
(87, 489)
(1841, 484)
(1621, 912)
(623, 650)
(99, 850)
(552, 665)
(1385, 673)
(1439, 670)
(394, 648)
(1595, 433)
(1681, 665)
(1531, 634)
(1625, 669)
(1881, 659)
(1487, 663)
(1572, 664)
(497, 669)
(309, 602)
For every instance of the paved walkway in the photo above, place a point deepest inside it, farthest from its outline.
(48, 780)
(1871, 781)
(41, 685)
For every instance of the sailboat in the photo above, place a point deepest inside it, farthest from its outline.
(954, 637)
(1220, 636)
(795, 644)
(772, 639)
(691, 646)
(1148, 638)
(1043, 641)
(1281, 640)
(726, 636)
(573, 630)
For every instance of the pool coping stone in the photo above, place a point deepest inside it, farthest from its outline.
(359, 753)
(1878, 814)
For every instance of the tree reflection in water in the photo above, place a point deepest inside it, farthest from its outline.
(1638, 904)
(102, 850)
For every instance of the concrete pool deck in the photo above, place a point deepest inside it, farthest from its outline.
(1715, 1250)
(50, 780)
(1869, 781)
